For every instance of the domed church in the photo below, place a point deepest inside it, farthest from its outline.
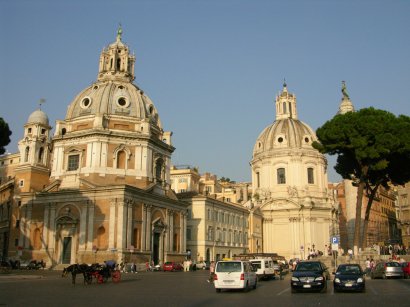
(99, 189)
(289, 180)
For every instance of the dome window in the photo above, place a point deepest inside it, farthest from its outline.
(259, 144)
(306, 140)
(122, 102)
(85, 103)
(151, 109)
(280, 139)
(95, 87)
(63, 131)
(121, 87)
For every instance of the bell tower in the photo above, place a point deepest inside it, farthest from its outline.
(35, 147)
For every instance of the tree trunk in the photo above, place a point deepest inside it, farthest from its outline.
(357, 222)
(367, 215)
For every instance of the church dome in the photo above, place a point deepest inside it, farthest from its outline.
(114, 94)
(38, 117)
(286, 132)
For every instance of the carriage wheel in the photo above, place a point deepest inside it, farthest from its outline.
(116, 276)
(100, 279)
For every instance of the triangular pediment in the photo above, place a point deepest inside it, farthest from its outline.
(279, 204)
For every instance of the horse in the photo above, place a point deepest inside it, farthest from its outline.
(75, 269)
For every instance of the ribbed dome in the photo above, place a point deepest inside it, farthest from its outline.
(38, 117)
(113, 98)
(284, 133)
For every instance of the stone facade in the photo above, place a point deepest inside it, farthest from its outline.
(290, 188)
(99, 189)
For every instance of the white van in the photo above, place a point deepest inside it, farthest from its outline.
(234, 274)
(264, 266)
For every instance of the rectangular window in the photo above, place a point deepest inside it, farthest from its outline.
(188, 233)
(73, 162)
(281, 176)
(21, 183)
(257, 180)
(310, 176)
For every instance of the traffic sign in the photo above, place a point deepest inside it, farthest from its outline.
(335, 240)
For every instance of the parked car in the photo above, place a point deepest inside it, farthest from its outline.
(310, 275)
(203, 265)
(264, 268)
(387, 269)
(349, 277)
(234, 274)
(172, 266)
(405, 266)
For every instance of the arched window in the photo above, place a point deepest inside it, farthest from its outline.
(101, 239)
(284, 107)
(158, 170)
(311, 179)
(37, 239)
(40, 155)
(121, 157)
(26, 154)
(281, 175)
(118, 64)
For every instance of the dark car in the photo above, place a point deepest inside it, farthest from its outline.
(310, 275)
(172, 267)
(386, 270)
(406, 269)
(349, 277)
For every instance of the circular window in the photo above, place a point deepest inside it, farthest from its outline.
(85, 103)
(122, 102)
(280, 140)
(307, 140)
(95, 87)
(121, 87)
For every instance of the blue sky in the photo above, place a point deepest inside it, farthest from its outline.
(212, 68)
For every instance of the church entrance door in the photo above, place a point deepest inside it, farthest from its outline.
(66, 256)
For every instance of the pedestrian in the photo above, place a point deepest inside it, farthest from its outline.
(368, 267)
(211, 272)
(350, 253)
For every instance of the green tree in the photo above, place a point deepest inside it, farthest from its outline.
(4, 135)
(373, 148)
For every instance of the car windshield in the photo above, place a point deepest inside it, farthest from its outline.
(306, 266)
(229, 267)
(256, 264)
(392, 264)
(348, 269)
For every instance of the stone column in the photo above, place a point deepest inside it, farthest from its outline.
(46, 228)
(130, 228)
(183, 232)
(111, 233)
(148, 230)
(121, 225)
(27, 224)
(171, 230)
(143, 227)
(90, 233)
(52, 231)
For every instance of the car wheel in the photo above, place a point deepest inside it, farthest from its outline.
(256, 283)
(246, 289)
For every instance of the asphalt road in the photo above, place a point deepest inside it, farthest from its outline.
(48, 288)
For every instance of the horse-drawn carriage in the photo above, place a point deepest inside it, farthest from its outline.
(101, 273)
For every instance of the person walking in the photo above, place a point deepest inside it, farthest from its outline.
(211, 272)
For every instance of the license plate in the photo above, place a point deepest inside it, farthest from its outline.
(307, 286)
(228, 281)
(348, 285)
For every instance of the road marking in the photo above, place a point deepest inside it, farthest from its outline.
(283, 291)
(372, 289)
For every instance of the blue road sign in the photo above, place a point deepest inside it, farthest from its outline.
(335, 240)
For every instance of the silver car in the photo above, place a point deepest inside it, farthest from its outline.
(387, 269)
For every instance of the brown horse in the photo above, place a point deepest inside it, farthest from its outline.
(75, 269)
